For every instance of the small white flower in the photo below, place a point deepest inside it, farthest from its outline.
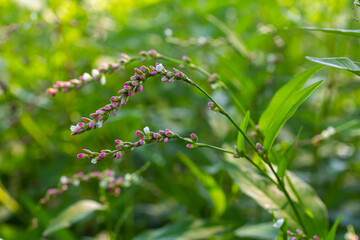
(76, 182)
(328, 132)
(93, 161)
(103, 80)
(95, 72)
(159, 67)
(73, 128)
(278, 223)
(103, 184)
(146, 130)
(86, 76)
(63, 180)
(202, 40)
(168, 32)
(99, 124)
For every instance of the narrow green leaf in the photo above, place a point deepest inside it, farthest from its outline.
(286, 156)
(340, 62)
(188, 229)
(268, 196)
(216, 193)
(240, 138)
(74, 213)
(283, 231)
(257, 231)
(332, 232)
(348, 32)
(284, 104)
(233, 39)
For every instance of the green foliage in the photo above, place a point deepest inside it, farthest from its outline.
(243, 127)
(341, 63)
(255, 47)
(284, 104)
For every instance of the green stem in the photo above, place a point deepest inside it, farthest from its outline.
(253, 146)
(281, 184)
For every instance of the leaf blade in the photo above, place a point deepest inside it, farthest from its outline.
(243, 127)
(73, 214)
(338, 62)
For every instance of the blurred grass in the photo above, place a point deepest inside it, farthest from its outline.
(43, 42)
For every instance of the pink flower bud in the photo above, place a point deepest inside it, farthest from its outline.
(42, 200)
(117, 192)
(64, 187)
(102, 155)
(315, 237)
(91, 124)
(118, 141)
(189, 145)
(166, 139)
(298, 231)
(109, 172)
(52, 191)
(81, 155)
(140, 88)
(118, 155)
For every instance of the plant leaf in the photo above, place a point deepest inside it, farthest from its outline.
(284, 104)
(286, 156)
(181, 230)
(348, 32)
(332, 232)
(340, 62)
(74, 213)
(216, 194)
(258, 231)
(240, 138)
(268, 196)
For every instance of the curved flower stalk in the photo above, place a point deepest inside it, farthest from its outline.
(131, 87)
(108, 69)
(106, 179)
(145, 137)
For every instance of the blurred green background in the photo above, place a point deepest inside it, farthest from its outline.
(42, 42)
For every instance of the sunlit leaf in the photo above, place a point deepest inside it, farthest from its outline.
(338, 62)
(184, 230)
(284, 104)
(74, 213)
(347, 32)
(268, 196)
(257, 231)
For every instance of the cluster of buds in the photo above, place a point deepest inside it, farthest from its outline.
(213, 107)
(106, 180)
(146, 137)
(131, 87)
(214, 80)
(298, 234)
(260, 148)
(192, 141)
(96, 75)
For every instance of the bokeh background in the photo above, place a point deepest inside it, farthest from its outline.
(42, 42)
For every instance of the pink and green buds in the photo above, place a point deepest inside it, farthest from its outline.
(259, 147)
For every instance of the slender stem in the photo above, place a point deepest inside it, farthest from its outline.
(282, 186)
(209, 75)
(253, 146)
